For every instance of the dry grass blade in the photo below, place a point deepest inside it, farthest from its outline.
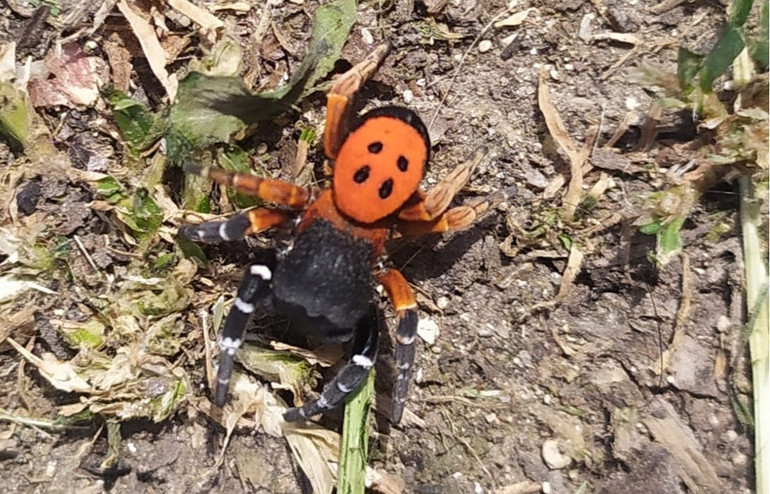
(661, 364)
(209, 23)
(693, 467)
(559, 133)
(574, 262)
(61, 375)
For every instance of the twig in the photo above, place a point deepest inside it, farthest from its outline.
(84, 251)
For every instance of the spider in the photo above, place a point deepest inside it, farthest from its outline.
(324, 282)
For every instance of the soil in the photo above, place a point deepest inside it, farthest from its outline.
(522, 390)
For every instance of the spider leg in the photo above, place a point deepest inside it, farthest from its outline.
(438, 198)
(402, 298)
(351, 377)
(235, 228)
(254, 287)
(340, 96)
(270, 190)
(430, 213)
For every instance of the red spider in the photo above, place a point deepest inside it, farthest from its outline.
(324, 282)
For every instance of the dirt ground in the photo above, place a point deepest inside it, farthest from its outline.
(520, 390)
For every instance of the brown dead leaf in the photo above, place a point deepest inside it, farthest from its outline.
(119, 58)
(71, 79)
(209, 23)
(151, 47)
(174, 45)
(627, 38)
(61, 375)
(515, 19)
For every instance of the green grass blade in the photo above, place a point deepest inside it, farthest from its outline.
(738, 11)
(729, 45)
(354, 449)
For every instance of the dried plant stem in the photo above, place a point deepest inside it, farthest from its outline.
(759, 340)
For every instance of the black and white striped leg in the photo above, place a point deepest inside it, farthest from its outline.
(405, 343)
(254, 287)
(235, 228)
(214, 232)
(351, 377)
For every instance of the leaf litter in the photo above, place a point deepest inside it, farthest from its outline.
(128, 341)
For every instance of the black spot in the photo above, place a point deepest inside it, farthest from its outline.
(361, 174)
(375, 147)
(403, 163)
(386, 188)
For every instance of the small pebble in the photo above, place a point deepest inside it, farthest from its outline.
(428, 330)
(485, 46)
(442, 303)
(546, 488)
(554, 458)
(739, 459)
(366, 35)
(632, 103)
(723, 324)
(408, 96)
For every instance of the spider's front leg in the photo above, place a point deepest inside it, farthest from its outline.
(340, 96)
(254, 288)
(248, 222)
(430, 214)
(352, 376)
(270, 190)
(235, 228)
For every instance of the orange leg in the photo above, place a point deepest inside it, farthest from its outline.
(270, 190)
(402, 298)
(340, 95)
(456, 218)
(437, 200)
(235, 228)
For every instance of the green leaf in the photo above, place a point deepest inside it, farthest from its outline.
(729, 45)
(195, 193)
(168, 402)
(14, 119)
(141, 213)
(759, 49)
(652, 228)
(214, 109)
(687, 66)
(669, 241)
(110, 189)
(237, 160)
(738, 12)
(331, 28)
(191, 250)
(138, 126)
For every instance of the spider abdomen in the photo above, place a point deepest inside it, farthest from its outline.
(324, 283)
